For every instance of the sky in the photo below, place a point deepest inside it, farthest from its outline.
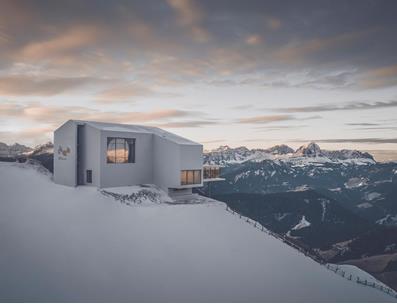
(224, 72)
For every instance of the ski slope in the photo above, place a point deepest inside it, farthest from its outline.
(75, 244)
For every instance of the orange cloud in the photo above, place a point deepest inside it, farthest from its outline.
(190, 16)
(380, 77)
(31, 85)
(186, 124)
(55, 115)
(187, 10)
(123, 93)
(73, 39)
(298, 52)
(266, 119)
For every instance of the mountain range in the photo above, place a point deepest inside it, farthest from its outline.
(341, 205)
(307, 153)
(13, 150)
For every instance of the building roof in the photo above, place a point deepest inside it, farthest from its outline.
(116, 127)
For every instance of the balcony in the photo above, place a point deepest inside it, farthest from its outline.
(212, 173)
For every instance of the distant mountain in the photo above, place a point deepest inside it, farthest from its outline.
(43, 153)
(47, 148)
(280, 150)
(310, 153)
(309, 150)
(13, 150)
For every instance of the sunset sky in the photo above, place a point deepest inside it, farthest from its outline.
(253, 73)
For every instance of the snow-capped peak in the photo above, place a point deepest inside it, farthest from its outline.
(309, 150)
(308, 153)
(46, 148)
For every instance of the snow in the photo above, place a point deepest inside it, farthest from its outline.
(355, 182)
(64, 244)
(388, 220)
(324, 203)
(358, 273)
(142, 194)
(301, 188)
(364, 205)
(372, 196)
(302, 224)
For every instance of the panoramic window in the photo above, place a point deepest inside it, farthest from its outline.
(120, 150)
(190, 177)
(211, 172)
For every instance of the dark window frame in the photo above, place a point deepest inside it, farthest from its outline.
(129, 149)
(89, 176)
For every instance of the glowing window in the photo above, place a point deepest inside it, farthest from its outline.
(120, 150)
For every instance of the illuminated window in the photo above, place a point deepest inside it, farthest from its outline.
(120, 150)
(211, 172)
(190, 177)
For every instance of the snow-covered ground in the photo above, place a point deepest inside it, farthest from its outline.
(76, 244)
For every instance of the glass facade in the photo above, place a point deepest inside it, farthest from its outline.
(120, 150)
(190, 177)
(211, 172)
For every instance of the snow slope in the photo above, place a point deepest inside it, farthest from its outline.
(75, 244)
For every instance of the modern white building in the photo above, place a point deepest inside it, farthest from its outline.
(113, 155)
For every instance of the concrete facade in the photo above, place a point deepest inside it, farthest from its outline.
(160, 156)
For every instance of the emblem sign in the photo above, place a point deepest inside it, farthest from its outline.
(63, 152)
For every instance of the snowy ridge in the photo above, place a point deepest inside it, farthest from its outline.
(167, 253)
(47, 148)
(13, 150)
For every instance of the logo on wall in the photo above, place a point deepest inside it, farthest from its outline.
(63, 153)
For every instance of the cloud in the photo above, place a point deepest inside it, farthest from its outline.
(345, 107)
(124, 93)
(273, 23)
(265, 119)
(362, 124)
(276, 128)
(299, 51)
(187, 124)
(48, 118)
(374, 140)
(37, 86)
(379, 77)
(254, 39)
(190, 16)
(31, 136)
(55, 115)
(72, 39)
(213, 141)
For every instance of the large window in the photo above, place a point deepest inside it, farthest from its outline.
(190, 177)
(120, 150)
(211, 172)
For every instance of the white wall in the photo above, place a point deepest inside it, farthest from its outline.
(65, 166)
(140, 172)
(192, 158)
(166, 163)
